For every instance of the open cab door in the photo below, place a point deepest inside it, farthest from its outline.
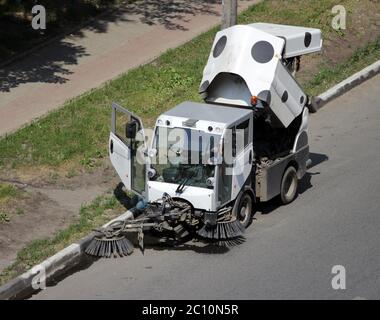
(127, 148)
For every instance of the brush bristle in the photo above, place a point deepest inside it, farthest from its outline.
(230, 232)
(108, 247)
(229, 243)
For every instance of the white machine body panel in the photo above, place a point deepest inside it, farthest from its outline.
(232, 53)
(288, 99)
(121, 159)
(241, 171)
(247, 60)
(298, 40)
(302, 139)
(178, 122)
(200, 198)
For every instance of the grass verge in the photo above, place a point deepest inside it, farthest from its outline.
(7, 191)
(76, 134)
(327, 76)
(101, 210)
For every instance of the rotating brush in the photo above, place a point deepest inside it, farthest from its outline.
(224, 232)
(103, 246)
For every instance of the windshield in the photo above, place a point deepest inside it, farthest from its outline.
(184, 155)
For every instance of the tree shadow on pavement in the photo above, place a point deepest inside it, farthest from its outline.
(171, 13)
(42, 66)
(51, 64)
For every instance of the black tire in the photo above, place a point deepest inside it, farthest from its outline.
(243, 209)
(289, 185)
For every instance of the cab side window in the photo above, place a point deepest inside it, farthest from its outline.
(244, 126)
(240, 137)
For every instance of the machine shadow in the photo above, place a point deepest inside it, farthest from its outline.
(164, 242)
(157, 242)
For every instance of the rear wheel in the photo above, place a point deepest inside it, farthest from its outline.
(243, 209)
(289, 185)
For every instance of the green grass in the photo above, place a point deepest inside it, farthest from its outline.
(78, 132)
(309, 13)
(101, 210)
(327, 76)
(7, 191)
(4, 217)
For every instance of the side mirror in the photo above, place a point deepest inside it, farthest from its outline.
(152, 173)
(210, 182)
(131, 129)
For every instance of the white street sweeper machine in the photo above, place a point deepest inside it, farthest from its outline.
(208, 164)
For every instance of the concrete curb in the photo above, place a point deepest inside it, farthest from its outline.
(54, 266)
(346, 85)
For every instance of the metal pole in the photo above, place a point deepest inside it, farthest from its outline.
(229, 15)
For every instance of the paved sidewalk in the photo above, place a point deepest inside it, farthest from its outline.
(134, 35)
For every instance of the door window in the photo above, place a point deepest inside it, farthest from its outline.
(225, 172)
(120, 118)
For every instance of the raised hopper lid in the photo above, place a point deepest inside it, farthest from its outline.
(246, 61)
(298, 40)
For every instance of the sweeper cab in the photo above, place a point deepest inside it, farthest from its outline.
(206, 165)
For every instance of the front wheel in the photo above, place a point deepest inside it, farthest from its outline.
(289, 185)
(243, 209)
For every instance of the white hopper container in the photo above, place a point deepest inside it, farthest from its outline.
(248, 60)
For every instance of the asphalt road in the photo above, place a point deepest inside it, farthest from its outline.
(290, 250)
